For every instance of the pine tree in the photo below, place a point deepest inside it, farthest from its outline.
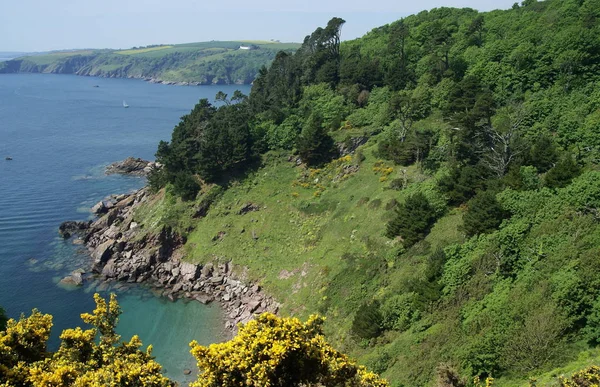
(314, 144)
(367, 321)
(413, 220)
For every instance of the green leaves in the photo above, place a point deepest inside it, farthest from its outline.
(483, 214)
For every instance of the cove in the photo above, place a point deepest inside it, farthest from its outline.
(61, 132)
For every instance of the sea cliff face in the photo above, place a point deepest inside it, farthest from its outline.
(122, 252)
(179, 68)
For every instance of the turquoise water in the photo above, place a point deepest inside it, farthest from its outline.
(61, 132)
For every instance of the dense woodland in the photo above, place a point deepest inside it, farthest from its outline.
(496, 118)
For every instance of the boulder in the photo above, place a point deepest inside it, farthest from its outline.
(102, 253)
(203, 298)
(126, 202)
(188, 271)
(99, 208)
(77, 278)
(253, 305)
(72, 280)
(109, 271)
(207, 270)
(107, 220)
(248, 207)
(68, 228)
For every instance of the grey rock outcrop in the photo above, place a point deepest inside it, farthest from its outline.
(131, 166)
(129, 254)
(69, 228)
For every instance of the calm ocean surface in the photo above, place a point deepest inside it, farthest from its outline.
(61, 132)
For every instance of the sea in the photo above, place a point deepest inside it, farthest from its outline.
(61, 131)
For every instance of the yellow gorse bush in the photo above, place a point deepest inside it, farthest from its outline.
(274, 351)
(270, 351)
(588, 377)
(81, 360)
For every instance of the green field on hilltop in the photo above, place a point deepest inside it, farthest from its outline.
(220, 62)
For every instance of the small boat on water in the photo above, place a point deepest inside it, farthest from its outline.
(8, 158)
(95, 86)
(125, 104)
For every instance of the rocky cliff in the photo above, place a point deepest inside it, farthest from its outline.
(122, 251)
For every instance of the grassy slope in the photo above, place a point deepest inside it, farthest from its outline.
(320, 244)
(320, 248)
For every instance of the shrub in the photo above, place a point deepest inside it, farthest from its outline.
(185, 186)
(537, 341)
(592, 327)
(413, 148)
(397, 184)
(413, 220)
(368, 320)
(399, 311)
(91, 357)
(393, 203)
(157, 179)
(462, 183)
(483, 214)
(446, 376)
(543, 154)
(587, 377)
(362, 201)
(374, 204)
(562, 174)
(273, 351)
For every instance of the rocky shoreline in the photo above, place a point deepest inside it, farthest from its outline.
(132, 166)
(192, 83)
(123, 251)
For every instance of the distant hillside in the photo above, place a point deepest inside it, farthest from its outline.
(203, 63)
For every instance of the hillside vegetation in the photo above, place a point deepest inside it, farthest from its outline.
(203, 63)
(432, 189)
(463, 238)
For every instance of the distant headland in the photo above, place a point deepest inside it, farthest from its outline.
(202, 63)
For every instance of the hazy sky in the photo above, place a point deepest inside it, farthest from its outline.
(40, 25)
